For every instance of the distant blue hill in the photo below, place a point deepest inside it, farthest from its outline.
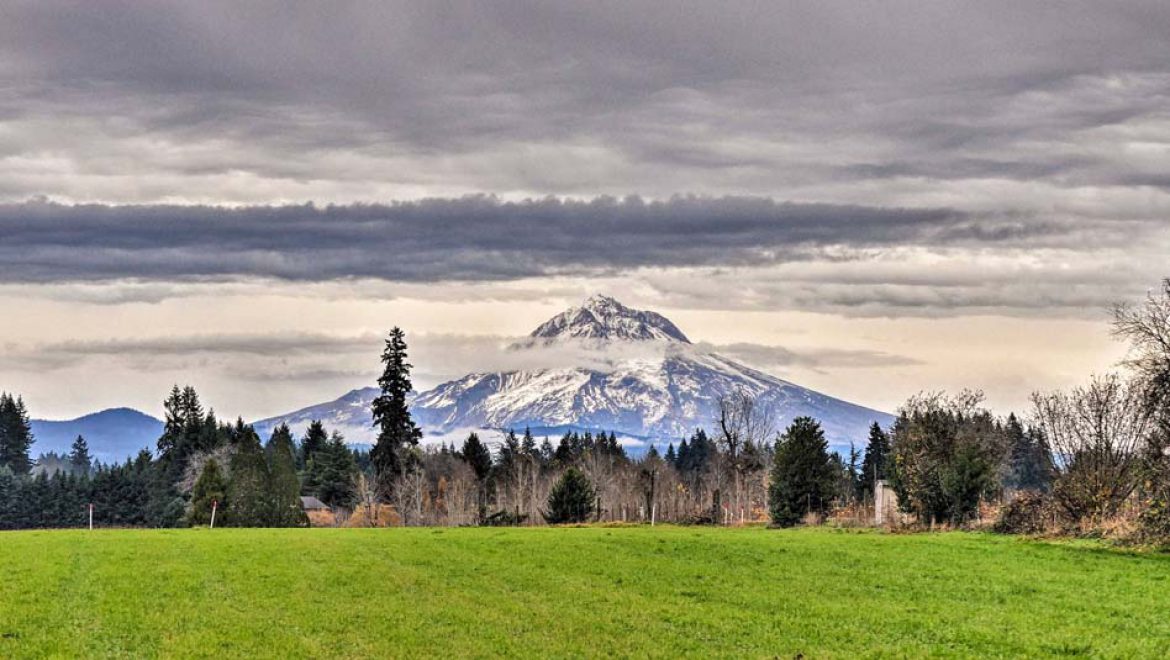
(112, 435)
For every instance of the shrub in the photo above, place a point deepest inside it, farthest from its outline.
(505, 518)
(1030, 513)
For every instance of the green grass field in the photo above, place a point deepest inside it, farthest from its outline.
(663, 592)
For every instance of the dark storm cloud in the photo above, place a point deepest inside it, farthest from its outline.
(1024, 142)
(346, 101)
(468, 239)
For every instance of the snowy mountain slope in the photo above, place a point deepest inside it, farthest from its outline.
(640, 377)
(348, 415)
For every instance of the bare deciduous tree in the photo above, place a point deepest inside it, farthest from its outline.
(1147, 328)
(1096, 433)
(744, 421)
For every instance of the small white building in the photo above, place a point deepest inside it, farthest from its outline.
(885, 504)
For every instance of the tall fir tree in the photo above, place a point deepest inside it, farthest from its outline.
(873, 466)
(314, 440)
(284, 487)
(248, 486)
(396, 430)
(803, 478)
(16, 438)
(336, 471)
(479, 458)
(9, 496)
(186, 431)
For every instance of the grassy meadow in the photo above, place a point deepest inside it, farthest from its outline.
(591, 591)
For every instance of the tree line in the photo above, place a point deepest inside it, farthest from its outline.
(742, 471)
(1079, 460)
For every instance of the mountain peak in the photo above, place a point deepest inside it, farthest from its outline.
(603, 317)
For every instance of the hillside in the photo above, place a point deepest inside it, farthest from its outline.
(112, 434)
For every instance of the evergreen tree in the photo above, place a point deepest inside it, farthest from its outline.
(546, 453)
(528, 444)
(571, 499)
(873, 466)
(248, 486)
(335, 472)
(9, 496)
(210, 487)
(1030, 460)
(396, 429)
(186, 431)
(284, 488)
(33, 502)
(66, 507)
(79, 458)
(476, 454)
(803, 479)
(671, 457)
(16, 438)
(509, 457)
(314, 441)
(853, 490)
(479, 458)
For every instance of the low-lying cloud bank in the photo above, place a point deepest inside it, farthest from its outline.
(307, 356)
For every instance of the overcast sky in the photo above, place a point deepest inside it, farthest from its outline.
(871, 199)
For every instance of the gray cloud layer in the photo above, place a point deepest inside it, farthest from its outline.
(696, 251)
(218, 101)
(478, 238)
(949, 156)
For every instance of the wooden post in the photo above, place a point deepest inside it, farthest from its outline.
(91, 516)
(214, 506)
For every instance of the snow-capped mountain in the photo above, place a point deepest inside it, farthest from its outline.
(605, 319)
(609, 368)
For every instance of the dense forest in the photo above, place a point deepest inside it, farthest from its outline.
(1093, 458)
